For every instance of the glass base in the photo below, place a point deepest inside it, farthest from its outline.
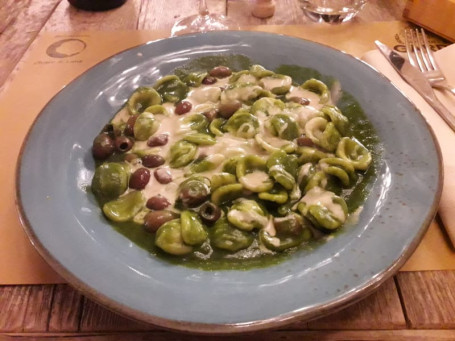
(332, 11)
(202, 23)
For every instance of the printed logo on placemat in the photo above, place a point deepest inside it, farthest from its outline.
(65, 48)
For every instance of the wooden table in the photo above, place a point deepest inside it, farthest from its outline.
(412, 305)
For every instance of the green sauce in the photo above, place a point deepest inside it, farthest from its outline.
(253, 257)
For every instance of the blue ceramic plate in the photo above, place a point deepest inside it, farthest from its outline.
(66, 226)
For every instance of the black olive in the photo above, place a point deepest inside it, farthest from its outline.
(152, 160)
(153, 220)
(139, 179)
(157, 202)
(158, 140)
(123, 143)
(103, 146)
(220, 72)
(182, 107)
(209, 212)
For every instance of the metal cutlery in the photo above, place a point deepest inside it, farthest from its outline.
(420, 56)
(418, 81)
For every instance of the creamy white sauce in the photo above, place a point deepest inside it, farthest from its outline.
(303, 114)
(122, 116)
(314, 98)
(270, 83)
(249, 217)
(169, 191)
(247, 78)
(319, 196)
(270, 227)
(304, 171)
(204, 95)
(216, 159)
(274, 110)
(230, 145)
(254, 179)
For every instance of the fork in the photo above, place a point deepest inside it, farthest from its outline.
(421, 56)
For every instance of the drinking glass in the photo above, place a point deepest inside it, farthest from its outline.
(331, 11)
(202, 22)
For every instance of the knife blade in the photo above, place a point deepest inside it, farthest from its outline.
(417, 80)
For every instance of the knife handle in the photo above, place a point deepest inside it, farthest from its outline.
(445, 114)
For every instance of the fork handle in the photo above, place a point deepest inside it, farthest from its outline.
(445, 114)
(451, 90)
(445, 87)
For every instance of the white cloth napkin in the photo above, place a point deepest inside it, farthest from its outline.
(445, 136)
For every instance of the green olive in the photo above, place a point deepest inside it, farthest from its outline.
(110, 180)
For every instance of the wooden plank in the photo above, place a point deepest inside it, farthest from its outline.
(26, 18)
(380, 310)
(336, 335)
(68, 18)
(428, 298)
(66, 309)
(96, 318)
(38, 308)
(13, 306)
(161, 15)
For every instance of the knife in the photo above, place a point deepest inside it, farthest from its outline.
(417, 80)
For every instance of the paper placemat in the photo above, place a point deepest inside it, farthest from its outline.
(57, 58)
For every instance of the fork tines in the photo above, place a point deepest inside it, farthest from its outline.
(419, 51)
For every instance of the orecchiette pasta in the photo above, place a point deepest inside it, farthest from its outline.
(218, 165)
